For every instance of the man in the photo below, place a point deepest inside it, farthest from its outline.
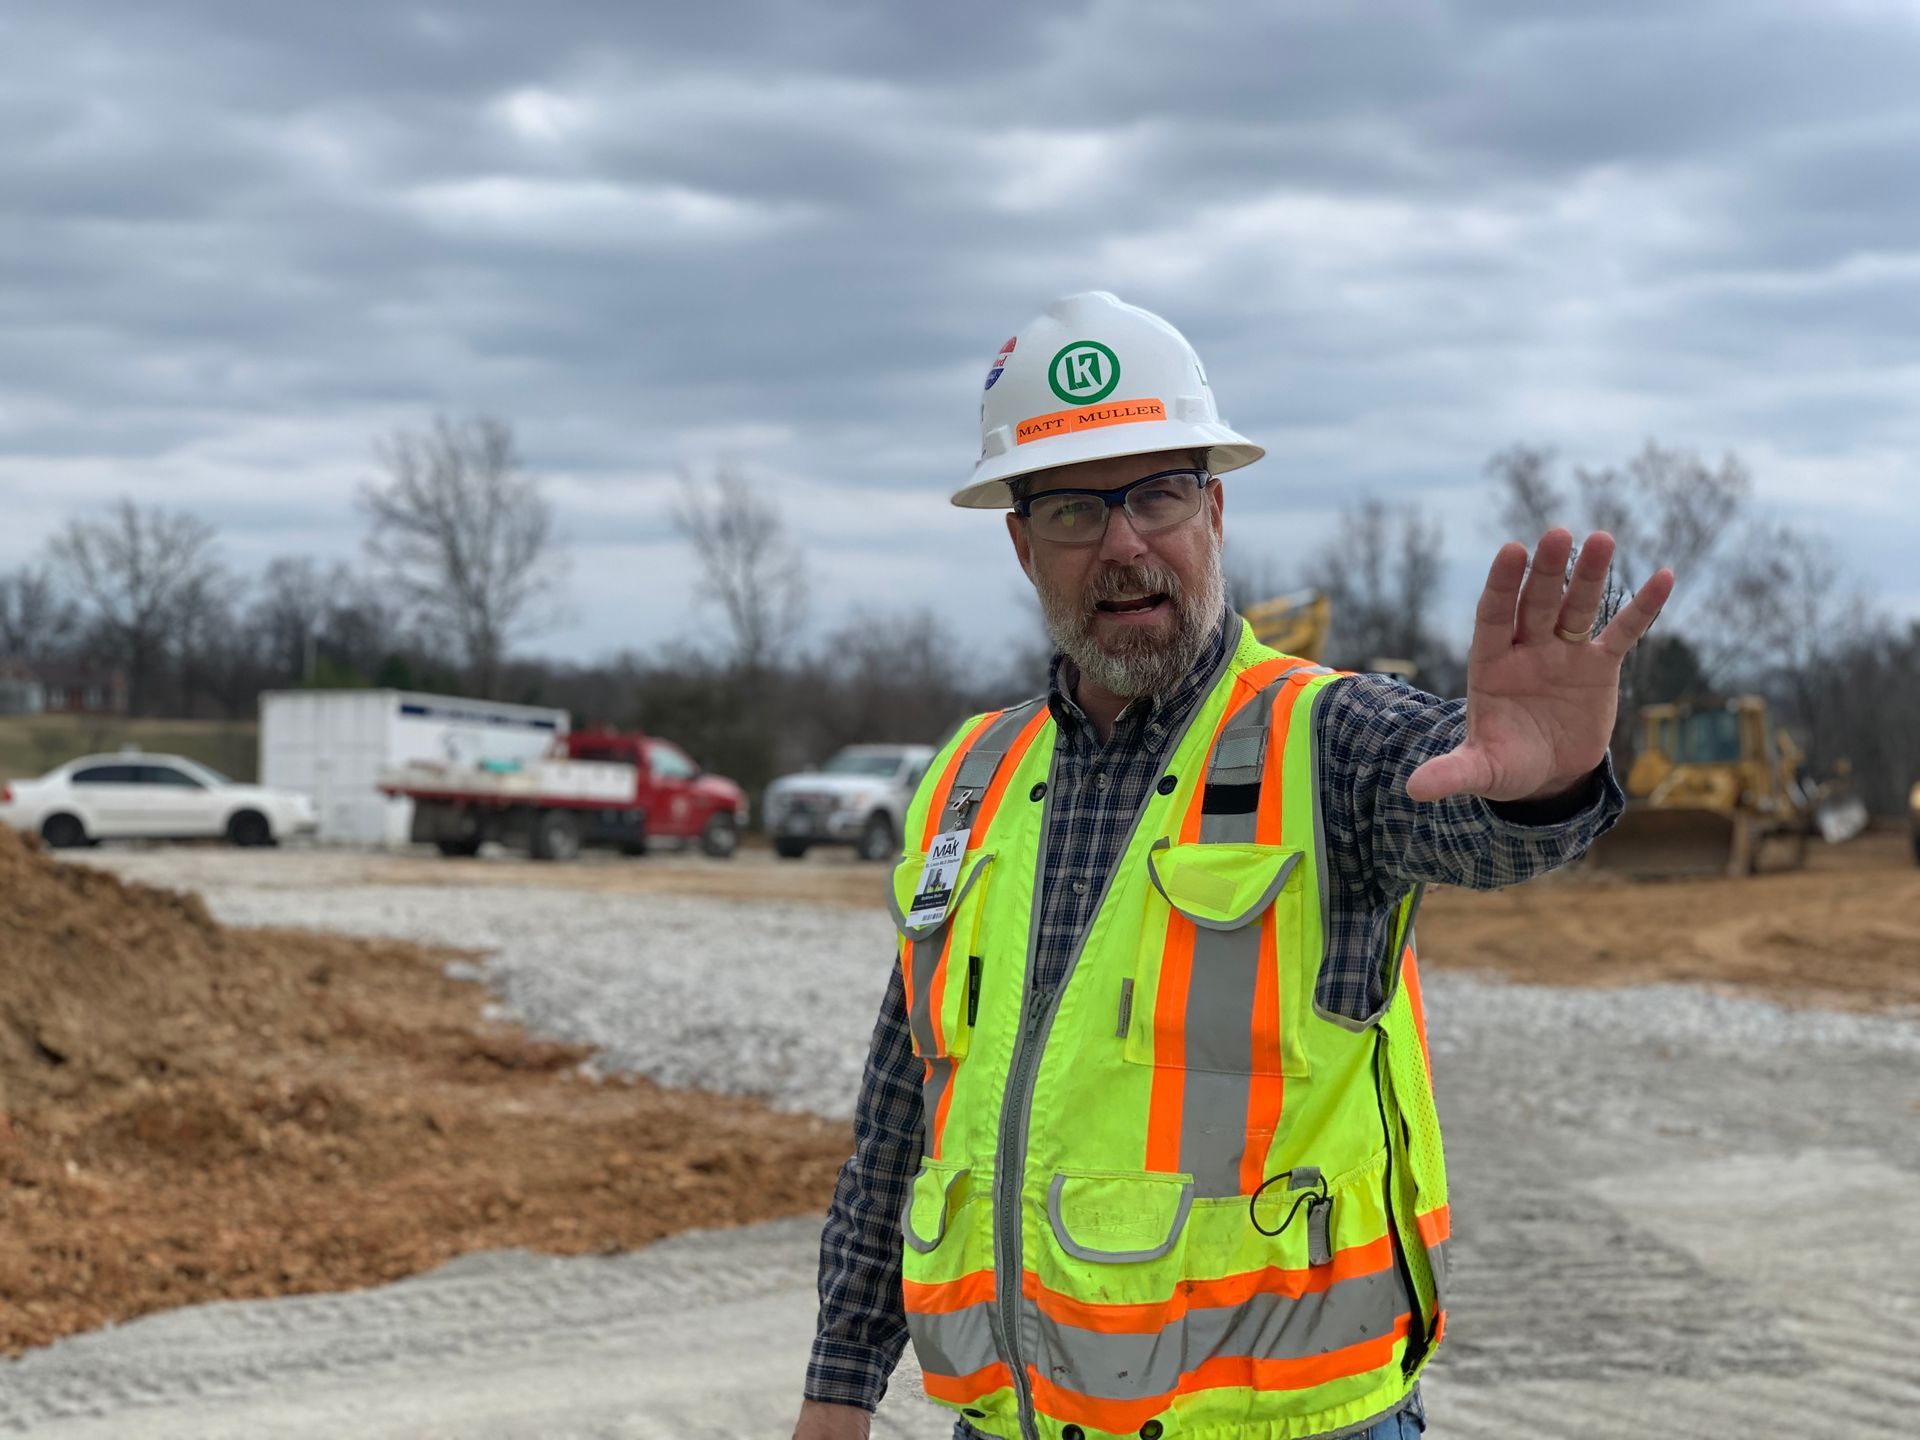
(1146, 1142)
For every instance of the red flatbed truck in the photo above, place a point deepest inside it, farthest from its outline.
(622, 790)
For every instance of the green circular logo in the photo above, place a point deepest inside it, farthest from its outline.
(1084, 373)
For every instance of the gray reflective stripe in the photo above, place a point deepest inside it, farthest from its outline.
(1238, 759)
(979, 764)
(1245, 917)
(1437, 1261)
(954, 1342)
(928, 942)
(939, 1076)
(926, 1244)
(1114, 1257)
(1268, 1327)
(1213, 1119)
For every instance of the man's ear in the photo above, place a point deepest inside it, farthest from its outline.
(1022, 543)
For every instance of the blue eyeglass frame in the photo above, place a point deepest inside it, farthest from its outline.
(1113, 498)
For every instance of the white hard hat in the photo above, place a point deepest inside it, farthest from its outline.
(1093, 378)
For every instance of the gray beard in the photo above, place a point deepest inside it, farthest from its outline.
(1143, 662)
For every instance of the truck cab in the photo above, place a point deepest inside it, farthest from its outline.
(859, 797)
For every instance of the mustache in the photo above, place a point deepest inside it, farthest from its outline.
(1122, 580)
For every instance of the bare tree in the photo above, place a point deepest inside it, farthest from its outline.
(138, 571)
(1666, 506)
(466, 537)
(36, 620)
(748, 566)
(1381, 577)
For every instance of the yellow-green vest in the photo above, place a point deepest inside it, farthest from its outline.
(1170, 1197)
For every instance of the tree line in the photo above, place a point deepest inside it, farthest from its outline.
(463, 563)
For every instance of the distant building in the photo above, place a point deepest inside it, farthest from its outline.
(76, 687)
(21, 692)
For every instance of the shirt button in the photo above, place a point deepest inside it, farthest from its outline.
(1079, 887)
(1101, 780)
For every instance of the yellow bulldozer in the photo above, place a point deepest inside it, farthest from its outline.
(1297, 624)
(1719, 789)
(1293, 624)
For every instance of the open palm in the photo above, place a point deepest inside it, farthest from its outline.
(1540, 705)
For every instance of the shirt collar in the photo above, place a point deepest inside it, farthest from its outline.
(1149, 721)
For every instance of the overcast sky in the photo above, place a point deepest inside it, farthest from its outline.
(238, 241)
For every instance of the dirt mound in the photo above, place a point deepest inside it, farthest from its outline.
(201, 1113)
(1843, 933)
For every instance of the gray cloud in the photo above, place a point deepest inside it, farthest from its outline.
(240, 241)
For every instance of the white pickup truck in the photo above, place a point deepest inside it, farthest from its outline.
(857, 798)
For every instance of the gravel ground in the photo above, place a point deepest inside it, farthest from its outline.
(1678, 1213)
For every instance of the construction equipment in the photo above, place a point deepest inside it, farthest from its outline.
(1293, 624)
(1719, 789)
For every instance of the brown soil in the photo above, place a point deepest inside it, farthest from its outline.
(199, 1113)
(1843, 933)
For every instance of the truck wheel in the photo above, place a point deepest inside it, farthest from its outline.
(720, 836)
(556, 836)
(249, 829)
(63, 832)
(464, 849)
(790, 849)
(876, 840)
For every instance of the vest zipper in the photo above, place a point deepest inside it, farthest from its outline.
(1416, 1320)
(1013, 1148)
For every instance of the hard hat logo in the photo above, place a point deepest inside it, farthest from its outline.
(1084, 372)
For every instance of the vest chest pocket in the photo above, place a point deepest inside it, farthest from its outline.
(938, 953)
(1220, 983)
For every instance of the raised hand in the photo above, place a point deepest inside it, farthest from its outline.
(1541, 694)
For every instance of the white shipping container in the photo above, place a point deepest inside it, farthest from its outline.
(333, 744)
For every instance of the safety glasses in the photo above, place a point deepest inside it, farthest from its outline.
(1079, 517)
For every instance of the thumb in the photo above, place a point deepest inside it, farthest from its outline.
(1461, 771)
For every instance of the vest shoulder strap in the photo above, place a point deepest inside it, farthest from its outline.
(980, 762)
(1236, 770)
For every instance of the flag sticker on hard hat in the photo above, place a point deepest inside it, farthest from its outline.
(1000, 362)
(1087, 417)
(1084, 372)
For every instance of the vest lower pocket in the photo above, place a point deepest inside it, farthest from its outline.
(1099, 1293)
(947, 1287)
(1220, 983)
(939, 950)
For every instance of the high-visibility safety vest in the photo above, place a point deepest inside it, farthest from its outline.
(1170, 1197)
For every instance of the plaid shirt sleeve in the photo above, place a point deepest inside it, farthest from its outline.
(862, 1327)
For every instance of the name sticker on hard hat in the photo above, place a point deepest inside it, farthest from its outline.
(940, 876)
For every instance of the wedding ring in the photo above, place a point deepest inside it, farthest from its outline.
(1572, 637)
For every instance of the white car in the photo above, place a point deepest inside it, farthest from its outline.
(166, 797)
(857, 798)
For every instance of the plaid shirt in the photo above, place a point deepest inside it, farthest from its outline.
(1371, 734)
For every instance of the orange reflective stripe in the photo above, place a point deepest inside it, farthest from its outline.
(1266, 1086)
(1267, 828)
(937, 993)
(1410, 977)
(946, 1296)
(1435, 1225)
(1176, 959)
(1241, 1372)
(946, 1104)
(966, 1389)
(1170, 1046)
(1356, 1261)
(938, 802)
(1016, 752)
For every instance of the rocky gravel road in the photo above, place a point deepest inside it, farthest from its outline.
(1678, 1213)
